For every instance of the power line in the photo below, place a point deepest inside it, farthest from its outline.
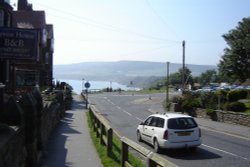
(91, 22)
(160, 17)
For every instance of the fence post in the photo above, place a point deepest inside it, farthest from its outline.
(110, 142)
(151, 163)
(124, 155)
(102, 134)
(97, 127)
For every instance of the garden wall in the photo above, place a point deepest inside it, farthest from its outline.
(226, 116)
(219, 115)
(23, 145)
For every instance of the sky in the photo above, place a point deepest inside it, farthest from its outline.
(141, 30)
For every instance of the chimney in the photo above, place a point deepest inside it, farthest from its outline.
(24, 5)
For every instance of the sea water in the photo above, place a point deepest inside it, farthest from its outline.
(78, 85)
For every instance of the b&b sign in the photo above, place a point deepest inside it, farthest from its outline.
(18, 43)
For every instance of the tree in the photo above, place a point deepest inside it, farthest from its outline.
(208, 77)
(235, 62)
(176, 78)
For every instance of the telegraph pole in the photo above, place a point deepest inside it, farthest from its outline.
(183, 66)
(167, 88)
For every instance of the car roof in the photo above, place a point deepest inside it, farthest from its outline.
(170, 115)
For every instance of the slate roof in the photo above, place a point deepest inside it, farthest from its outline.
(29, 19)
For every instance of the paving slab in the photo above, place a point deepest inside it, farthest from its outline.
(70, 144)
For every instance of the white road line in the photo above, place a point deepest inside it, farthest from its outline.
(121, 109)
(139, 119)
(226, 152)
(127, 112)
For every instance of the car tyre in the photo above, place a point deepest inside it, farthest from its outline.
(193, 149)
(156, 146)
(139, 136)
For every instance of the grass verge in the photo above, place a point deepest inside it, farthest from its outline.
(113, 161)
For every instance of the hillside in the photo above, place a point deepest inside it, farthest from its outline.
(122, 71)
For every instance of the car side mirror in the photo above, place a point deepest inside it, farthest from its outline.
(142, 123)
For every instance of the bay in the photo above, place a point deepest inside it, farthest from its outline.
(78, 85)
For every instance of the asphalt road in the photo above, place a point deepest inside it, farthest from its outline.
(125, 111)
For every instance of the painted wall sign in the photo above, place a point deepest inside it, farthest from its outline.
(18, 43)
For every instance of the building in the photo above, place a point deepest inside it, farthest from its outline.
(37, 69)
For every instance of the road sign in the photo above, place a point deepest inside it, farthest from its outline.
(87, 85)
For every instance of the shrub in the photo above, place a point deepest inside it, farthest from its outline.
(208, 100)
(176, 99)
(242, 94)
(235, 106)
(190, 103)
(233, 95)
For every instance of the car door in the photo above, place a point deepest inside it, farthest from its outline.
(146, 129)
(152, 129)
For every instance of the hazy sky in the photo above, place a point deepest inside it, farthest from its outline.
(144, 30)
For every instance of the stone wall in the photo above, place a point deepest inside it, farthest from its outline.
(24, 146)
(12, 149)
(219, 115)
(226, 116)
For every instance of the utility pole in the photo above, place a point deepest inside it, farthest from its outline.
(167, 86)
(183, 66)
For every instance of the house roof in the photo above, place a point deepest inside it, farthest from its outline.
(29, 19)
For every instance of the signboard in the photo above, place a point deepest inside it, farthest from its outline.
(87, 85)
(18, 43)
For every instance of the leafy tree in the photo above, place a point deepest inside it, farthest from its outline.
(235, 62)
(207, 77)
(176, 78)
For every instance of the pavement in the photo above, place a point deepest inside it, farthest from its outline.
(70, 144)
(226, 128)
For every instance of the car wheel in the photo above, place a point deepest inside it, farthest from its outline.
(193, 149)
(139, 136)
(156, 146)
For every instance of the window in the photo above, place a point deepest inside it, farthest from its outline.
(181, 123)
(160, 123)
(147, 122)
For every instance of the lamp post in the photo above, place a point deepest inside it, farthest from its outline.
(167, 86)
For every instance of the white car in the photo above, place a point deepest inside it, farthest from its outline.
(170, 130)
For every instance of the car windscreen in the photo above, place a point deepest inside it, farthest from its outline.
(181, 123)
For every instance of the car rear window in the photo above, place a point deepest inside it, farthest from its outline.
(181, 123)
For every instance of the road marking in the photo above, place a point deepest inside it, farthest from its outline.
(226, 133)
(127, 112)
(226, 152)
(139, 119)
(121, 109)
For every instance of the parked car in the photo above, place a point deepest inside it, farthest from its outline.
(170, 131)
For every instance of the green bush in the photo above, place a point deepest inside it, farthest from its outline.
(233, 95)
(189, 104)
(208, 100)
(242, 94)
(177, 99)
(235, 106)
